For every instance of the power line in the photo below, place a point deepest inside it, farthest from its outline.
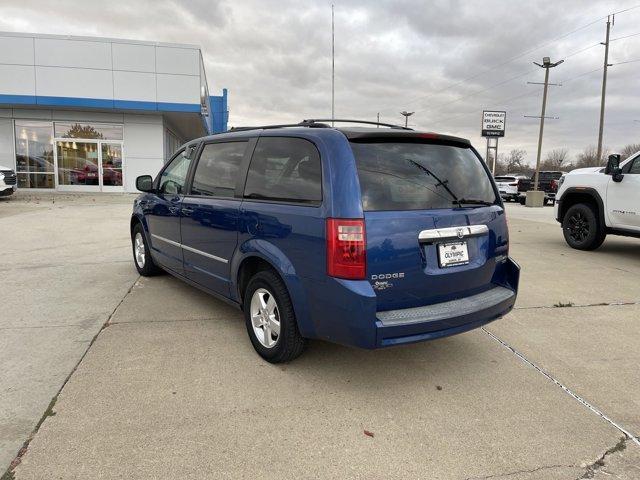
(527, 52)
(625, 36)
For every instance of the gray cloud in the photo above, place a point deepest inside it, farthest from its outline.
(447, 60)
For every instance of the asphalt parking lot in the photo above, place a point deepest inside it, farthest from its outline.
(110, 375)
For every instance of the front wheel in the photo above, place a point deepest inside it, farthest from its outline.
(141, 254)
(270, 320)
(581, 228)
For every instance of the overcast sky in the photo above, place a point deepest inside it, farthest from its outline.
(445, 60)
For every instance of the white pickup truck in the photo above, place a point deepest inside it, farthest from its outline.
(594, 202)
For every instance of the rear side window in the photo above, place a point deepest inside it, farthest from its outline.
(420, 176)
(285, 169)
(217, 169)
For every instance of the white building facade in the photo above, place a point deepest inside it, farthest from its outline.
(91, 114)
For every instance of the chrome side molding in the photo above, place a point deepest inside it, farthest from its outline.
(452, 233)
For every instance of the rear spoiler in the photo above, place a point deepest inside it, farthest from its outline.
(387, 135)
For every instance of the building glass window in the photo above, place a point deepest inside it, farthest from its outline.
(34, 154)
(99, 131)
(171, 144)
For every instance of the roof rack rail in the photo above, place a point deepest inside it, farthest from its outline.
(312, 121)
(317, 123)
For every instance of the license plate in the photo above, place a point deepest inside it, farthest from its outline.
(451, 254)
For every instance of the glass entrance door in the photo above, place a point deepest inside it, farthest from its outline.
(111, 166)
(78, 164)
(87, 165)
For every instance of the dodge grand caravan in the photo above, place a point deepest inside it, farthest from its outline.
(370, 237)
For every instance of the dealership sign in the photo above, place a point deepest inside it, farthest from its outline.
(493, 123)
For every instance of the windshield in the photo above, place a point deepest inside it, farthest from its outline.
(420, 176)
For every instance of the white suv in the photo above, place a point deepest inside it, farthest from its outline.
(7, 181)
(594, 202)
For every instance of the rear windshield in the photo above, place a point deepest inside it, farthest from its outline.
(549, 175)
(420, 176)
(505, 179)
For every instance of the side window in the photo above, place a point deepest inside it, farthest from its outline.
(635, 168)
(217, 169)
(285, 169)
(173, 177)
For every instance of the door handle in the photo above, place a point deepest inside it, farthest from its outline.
(187, 211)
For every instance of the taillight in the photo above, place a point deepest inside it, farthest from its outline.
(346, 249)
(554, 185)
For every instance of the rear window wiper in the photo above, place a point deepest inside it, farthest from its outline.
(440, 183)
(472, 201)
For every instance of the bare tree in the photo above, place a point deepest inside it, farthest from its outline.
(556, 159)
(515, 161)
(629, 150)
(589, 157)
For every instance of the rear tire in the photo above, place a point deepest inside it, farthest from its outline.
(522, 200)
(581, 227)
(270, 319)
(142, 254)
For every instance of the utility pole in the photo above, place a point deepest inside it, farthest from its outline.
(378, 126)
(333, 67)
(604, 85)
(406, 117)
(546, 64)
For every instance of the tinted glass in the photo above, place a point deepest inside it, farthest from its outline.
(417, 176)
(635, 168)
(217, 169)
(548, 175)
(505, 179)
(285, 169)
(173, 177)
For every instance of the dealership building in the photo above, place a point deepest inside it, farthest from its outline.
(91, 114)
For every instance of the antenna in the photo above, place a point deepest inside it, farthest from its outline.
(333, 67)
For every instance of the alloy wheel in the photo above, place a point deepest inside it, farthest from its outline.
(138, 245)
(578, 226)
(265, 317)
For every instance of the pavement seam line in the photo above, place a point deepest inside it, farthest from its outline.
(517, 472)
(8, 475)
(577, 397)
(585, 305)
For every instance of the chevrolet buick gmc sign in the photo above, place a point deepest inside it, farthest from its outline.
(493, 123)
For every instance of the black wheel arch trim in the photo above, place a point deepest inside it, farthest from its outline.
(591, 192)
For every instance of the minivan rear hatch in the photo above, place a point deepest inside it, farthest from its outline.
(435, 228)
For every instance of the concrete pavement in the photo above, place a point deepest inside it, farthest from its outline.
(65, 267)
(171, 387)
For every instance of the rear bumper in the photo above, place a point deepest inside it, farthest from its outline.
(396, 327)
(346, 313)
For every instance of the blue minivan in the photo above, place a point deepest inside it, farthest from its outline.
(364, 236)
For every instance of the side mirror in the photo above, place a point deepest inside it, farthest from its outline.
(613, 168)
(144, 183)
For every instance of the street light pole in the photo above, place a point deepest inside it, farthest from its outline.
(604, 88)
(546, 64)
(406, 117)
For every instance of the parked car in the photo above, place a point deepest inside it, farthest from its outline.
(510, 186)
(595, 202)
(7, 181)
(370, 237)
(548, 182)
